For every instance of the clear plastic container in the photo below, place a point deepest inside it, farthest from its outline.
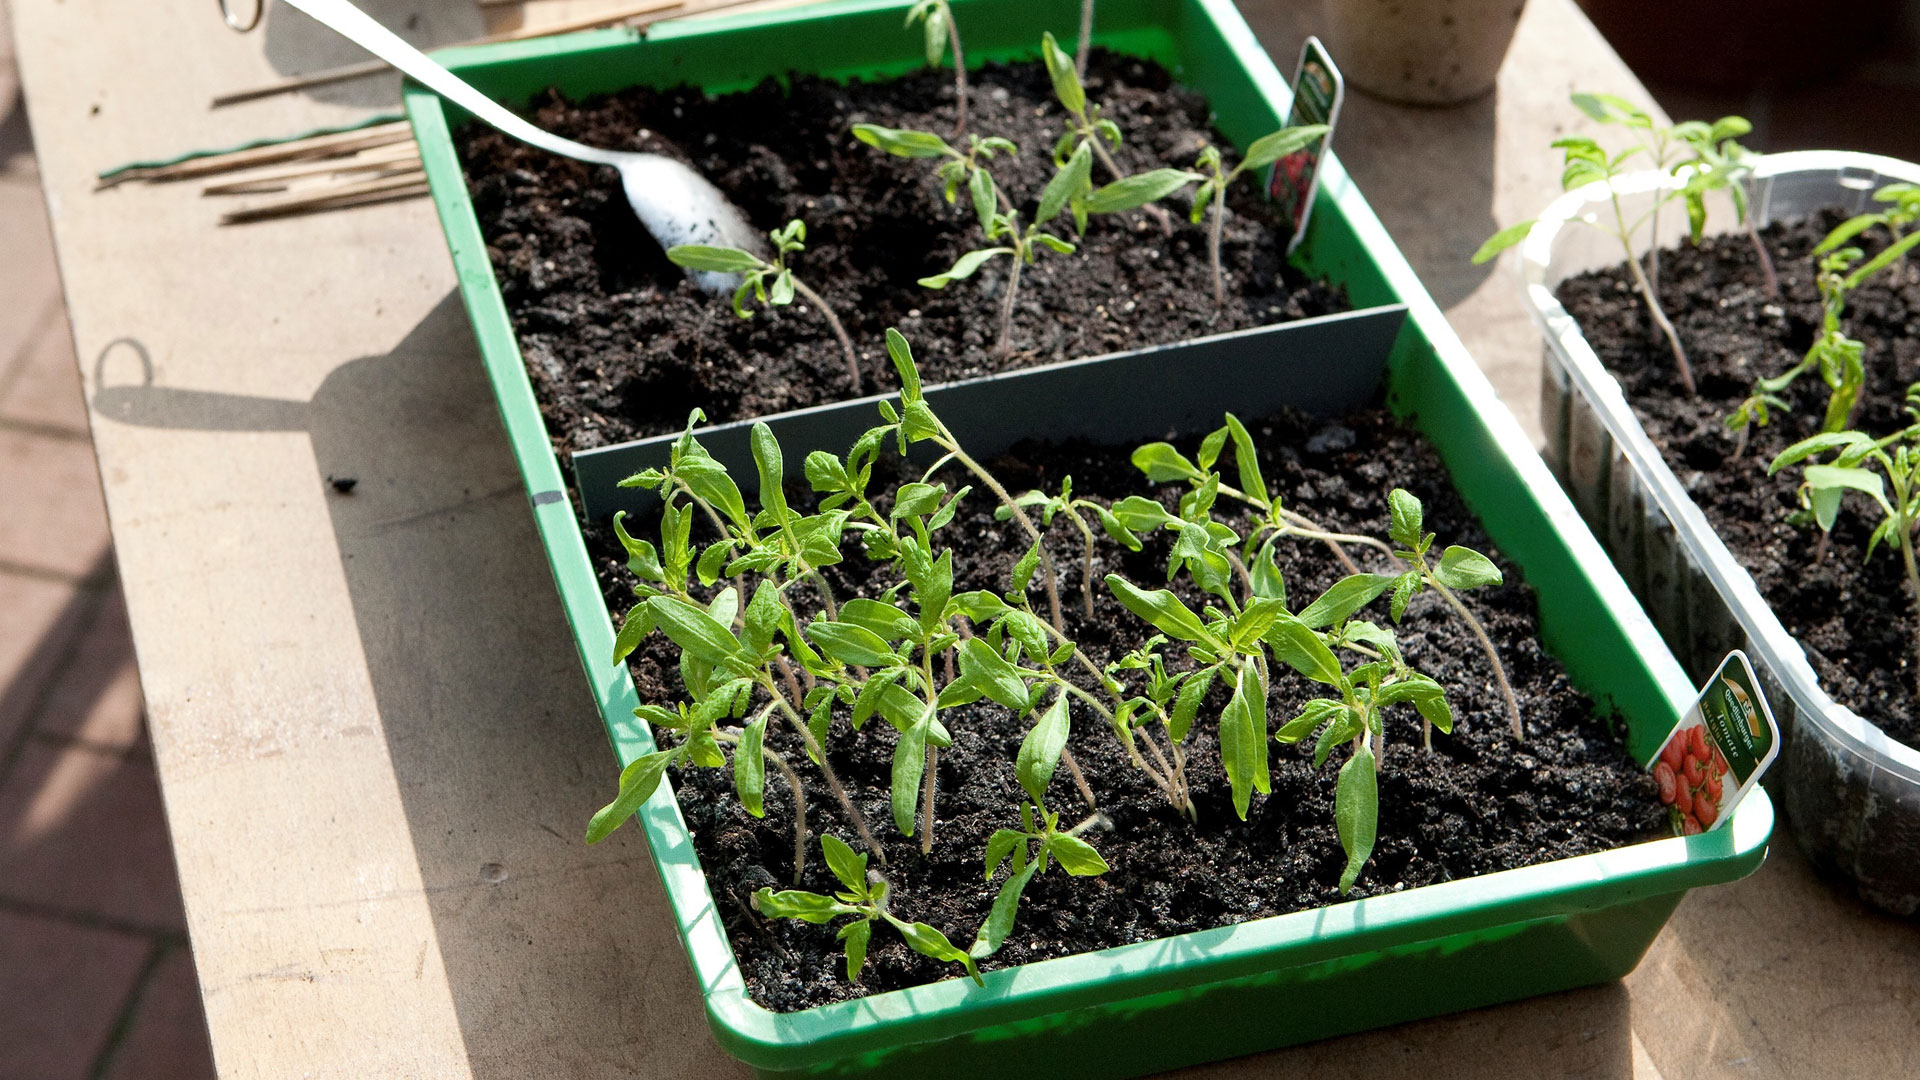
(1851, 794)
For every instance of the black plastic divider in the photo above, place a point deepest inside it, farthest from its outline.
(1323, 365)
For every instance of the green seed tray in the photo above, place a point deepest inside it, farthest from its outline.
(1202, 996)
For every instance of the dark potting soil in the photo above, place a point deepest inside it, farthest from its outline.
(1852, 615)
(1477, 803)
(620, 345)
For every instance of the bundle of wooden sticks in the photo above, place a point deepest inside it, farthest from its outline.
(370, 164)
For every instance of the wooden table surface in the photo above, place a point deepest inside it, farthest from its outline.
(376, 748)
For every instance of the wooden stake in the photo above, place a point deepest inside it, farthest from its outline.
(340, 142)
(381, 158)
(402, 185)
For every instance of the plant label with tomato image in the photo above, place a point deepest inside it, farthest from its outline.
(1318, 90)
(1718, 751)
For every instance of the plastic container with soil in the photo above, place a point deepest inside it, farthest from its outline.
(1212, 994)
(1851, 792)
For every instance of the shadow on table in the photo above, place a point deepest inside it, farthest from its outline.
(562, 958)
(295, 44)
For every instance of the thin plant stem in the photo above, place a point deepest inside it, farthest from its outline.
(779, 762)
(819, 754)
(1499, 669)
(1005, 348)
(1086, 39)
(1086, 560)
(839, 331)
(1766, 260)
(1213, 242)
(1903, 524)
(1079, 778)
(952, 446)
(959, 75)
(1652, 301)
(926, 807)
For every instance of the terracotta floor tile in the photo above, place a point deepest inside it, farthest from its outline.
(82, 831)
(167, 1039)
(43, 389)
(40, 620)
(97, 698)
(55, 519)
(64, 987)
(29, 280)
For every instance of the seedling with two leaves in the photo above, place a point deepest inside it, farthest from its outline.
(864, 898)
(1870, 466)
(1212, 196)
(1095, 137)
(772, 283)
(942, 32)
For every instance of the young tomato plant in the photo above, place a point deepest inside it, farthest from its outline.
(1212, 196)
(1902, 210)
(1871, 466)
(1091, 133)
(864, 897)
(1586, 162)
(773, 284)
(1719, 163)
(936, 20)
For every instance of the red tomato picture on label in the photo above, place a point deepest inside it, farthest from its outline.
(1697, 741)
(1669, 784)
(1673, 752)
(1706, 810)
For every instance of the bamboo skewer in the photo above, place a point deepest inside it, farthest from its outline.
(384, 157)
(657, 8)
(298, 150)
(402, 184)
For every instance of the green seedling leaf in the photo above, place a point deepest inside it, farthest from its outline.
(964, 267)
(1187, 705)
(930, 942)
(901, 354)
(1138, 190)
(1356, 813)
(884, 619)
(1163, 464)
(1141, 514)
(1503, 240)
(1268, 149)
(909, 765)
(1407, 525)
(1075, 855)
(641, 558)
(1315, 713)
(1002, 843)
(1465, 568)
(638, 781)
(854, 938)
(989, 673)
(750, 767)
(638, 624)
(1167, 612)
(1428, 697)
(720, 259)
(1296, 645)
(1066, 81)
(798, 904)
(1265, 573)
(1344, 597)
(903, 143)
(1247, 460)
(1819, 444)
(693, 630)
(1243, 739)
(850, 644)
(1040, 750)
(847, 865)
(1070, 180)
(1006, 906)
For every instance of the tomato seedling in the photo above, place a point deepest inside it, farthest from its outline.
(864, 896)
(942, 32)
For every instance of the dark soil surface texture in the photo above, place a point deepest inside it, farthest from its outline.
(1852, 615)
(1477, 803)
(620, 345)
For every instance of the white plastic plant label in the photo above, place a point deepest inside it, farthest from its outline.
(1718, 751)
(1318, 90)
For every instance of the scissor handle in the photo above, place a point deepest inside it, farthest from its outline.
(236, 24)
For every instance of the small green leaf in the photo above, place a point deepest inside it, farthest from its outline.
(989, 673)
(1465, 568)
(964, 267)
(855, 936)
(1407, 519)
(638, 781)
(1000, 845)
(1141, 514)
(1070, 180)
(1344, 597)
(719, 259)
(1066, 81)
(799, 904)
(1404, 587)
(1163, 464)
(1356, 813)
(1164, 610)
(1138, 190)
(1268, 581)
(1243, 739)
(930, 942)
(1040, 750)
(1187, 705)
(750, 767)
(847, 865)
(1247, 460)
(1268, 149)
(693, 630)
(849, 644)
(1315, 713)
(1006, 906)
(985, 202)
(638, 624)
(1296, 645)
(1075, 855)
(884, 619)
(904, 143)
(1502, 240)
(909, 765)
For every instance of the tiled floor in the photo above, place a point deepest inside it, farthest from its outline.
(96, 979)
